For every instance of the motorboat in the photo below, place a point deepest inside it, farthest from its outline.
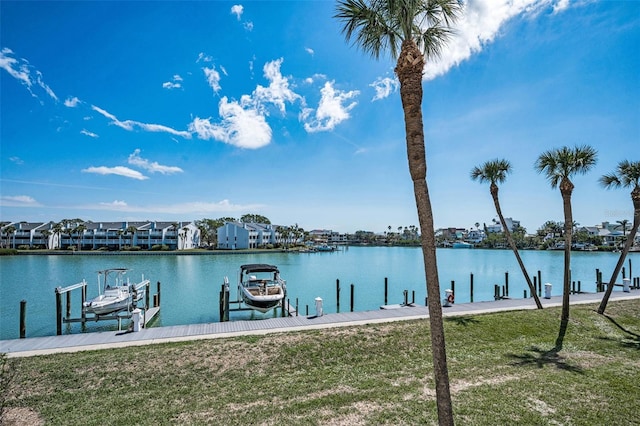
(462, 244)
(115, 294)
(260, 286)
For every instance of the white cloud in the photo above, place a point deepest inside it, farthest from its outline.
(175, 84)
(242, 125)
(22, 71)
(384, 87)
(248, 26)
(18, 201)
(10, 65)
(16, 160)
(118, 170)
(197, 208)
(278, 91)
(331, 109)
(479, 25)
(237, 10)
(560, 6)
(88, 133)
(153, 167)
(130, 124)
(71, 102)
(309, 51)
(118, 204)
(213, 78)
(204, 58)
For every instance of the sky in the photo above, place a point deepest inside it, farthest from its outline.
(143, 110)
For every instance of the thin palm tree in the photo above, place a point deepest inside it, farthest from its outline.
(412, 31)
(559, 165)
(495, 172)
(627, 174)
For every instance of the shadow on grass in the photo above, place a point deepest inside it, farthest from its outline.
(541, 358)
(464, 321)
(632, 342)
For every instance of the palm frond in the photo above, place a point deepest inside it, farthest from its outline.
(377, 26)
(562, 163)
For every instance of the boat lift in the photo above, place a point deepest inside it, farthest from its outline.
(225, 302)
(149, 312)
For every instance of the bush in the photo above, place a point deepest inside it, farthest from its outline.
(8, 252)
(160, 247)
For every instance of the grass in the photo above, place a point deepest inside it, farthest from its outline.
(502, 371)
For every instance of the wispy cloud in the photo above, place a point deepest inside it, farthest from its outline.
(241, 126)
(237, 10)
(243, 123)
(118, 171)
(384, 87)
(480, 24)
(18, 201)
(71, 102)
(194, 208)
(278, 91)
(151, 166)
(331, 110)
(21, 70)
(202, 57)
(16, 160)
(213, 78)
(88, 133)
(130, 125)
(174, 84)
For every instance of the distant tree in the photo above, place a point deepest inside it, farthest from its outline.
(78, 230)
(413, 32)
(254, 218)
(559, 165)
(10, 231)
(627, 175)
(495, 172)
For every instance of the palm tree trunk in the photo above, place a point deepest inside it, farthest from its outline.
(566, 188)
(409, 71)
(512, 244)
(635, 197)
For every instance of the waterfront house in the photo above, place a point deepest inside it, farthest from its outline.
(100, 235)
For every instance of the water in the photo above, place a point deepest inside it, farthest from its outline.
(190, 284)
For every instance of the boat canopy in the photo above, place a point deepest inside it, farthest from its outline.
(258, 267)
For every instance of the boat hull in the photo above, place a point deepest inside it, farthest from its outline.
(261, 303)
(104, 304)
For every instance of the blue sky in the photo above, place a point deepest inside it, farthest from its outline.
(168, 110)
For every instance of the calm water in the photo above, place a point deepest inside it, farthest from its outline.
(191, 284)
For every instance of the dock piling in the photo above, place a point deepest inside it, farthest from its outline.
(352, 289)
(23, 319)
(386, 289)
(471, 287)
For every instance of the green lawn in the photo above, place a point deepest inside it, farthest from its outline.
(502, 371)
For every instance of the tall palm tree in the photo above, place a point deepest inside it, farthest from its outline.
(559, 165)
(495, 172)
(412, 31)
(627, 174)
(10, 231)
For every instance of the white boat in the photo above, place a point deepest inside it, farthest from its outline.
(260, 286)
(462, 244)
(114, 293)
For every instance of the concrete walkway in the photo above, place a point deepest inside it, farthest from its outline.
(117, 339)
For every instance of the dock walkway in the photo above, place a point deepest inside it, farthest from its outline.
(116, 339)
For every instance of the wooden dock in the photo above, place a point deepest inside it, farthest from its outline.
(104, 340)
